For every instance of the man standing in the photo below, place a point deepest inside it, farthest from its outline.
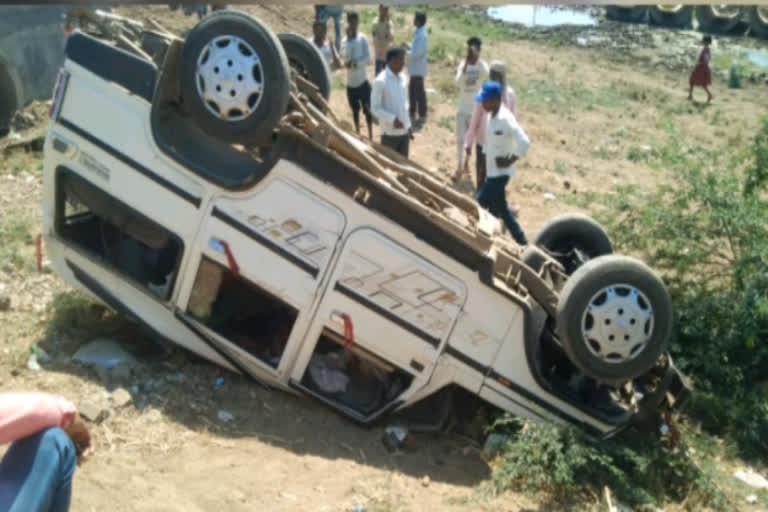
(470, 76)
(357, 55)
(323, 12)
(382, 37)
(390, 103)
(417, 69)
(320, 31)
(505, 143)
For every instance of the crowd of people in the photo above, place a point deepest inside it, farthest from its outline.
(486, 117)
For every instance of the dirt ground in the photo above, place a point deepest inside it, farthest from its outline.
(584, 111)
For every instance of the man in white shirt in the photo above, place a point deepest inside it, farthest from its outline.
(357, 54)
(505, 143)
(390, 103)
(470, 76)
(417, 69)
(328, 51)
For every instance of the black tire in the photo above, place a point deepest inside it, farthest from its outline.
(268, 107)
(306, 59)
(577, 307)
(758, 25)
(681, 18)
(709, 21)
(626, 14)
(571, 232)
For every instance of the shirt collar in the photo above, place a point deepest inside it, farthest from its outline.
(390, 73)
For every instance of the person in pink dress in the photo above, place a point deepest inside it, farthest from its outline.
(48, 439)
(476, 133)
(701, 75)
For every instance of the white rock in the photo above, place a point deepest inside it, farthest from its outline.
(549, 196)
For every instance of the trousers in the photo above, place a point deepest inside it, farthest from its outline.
(36, 473)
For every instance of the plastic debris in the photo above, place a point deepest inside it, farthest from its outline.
(493, 444)
(32, 364)
(219, 383)
(752, 478)
(104, 353)
(225, 416)
(549, 196)
(751, 499)
(394, 437)
(41, 355)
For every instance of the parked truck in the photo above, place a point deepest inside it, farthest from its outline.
(717, 19)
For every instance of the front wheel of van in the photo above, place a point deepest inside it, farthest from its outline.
(613, 319)
(235, 77)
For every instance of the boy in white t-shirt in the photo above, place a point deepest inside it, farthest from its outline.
(319, 39)
(470, 76)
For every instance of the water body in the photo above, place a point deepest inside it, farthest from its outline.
(540, 16)
(759, 58)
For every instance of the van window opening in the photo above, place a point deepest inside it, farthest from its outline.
(238, 310)
(96, 222)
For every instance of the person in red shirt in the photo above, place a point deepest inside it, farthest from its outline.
(48, 439)
(701, 75)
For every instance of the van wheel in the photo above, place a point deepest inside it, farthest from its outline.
(614, 317)
(307, 61)
(235, 77)
(572, 239)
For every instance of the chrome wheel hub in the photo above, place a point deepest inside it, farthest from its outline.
(230, 78)
(618, 323)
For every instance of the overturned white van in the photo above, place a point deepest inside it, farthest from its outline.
(191, 187)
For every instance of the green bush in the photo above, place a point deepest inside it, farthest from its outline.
(708, 235)
(637, 466)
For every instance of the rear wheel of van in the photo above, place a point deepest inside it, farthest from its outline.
(235, 77)
(308, 62)
(572, 239)
(614, 317)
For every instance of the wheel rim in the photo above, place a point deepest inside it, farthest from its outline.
(726, 11)
(669, 8)
(618, 323)
(230, 78)
(762, 13)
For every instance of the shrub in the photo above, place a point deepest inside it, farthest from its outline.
(708, 234)
(639, 468)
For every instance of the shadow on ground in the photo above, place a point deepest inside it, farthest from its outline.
(183, 387)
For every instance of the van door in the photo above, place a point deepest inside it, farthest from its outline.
(260, 263)
(379, 328)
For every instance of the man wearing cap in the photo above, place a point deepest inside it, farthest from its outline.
(505, 143)
(389, 102)
(476, 132)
